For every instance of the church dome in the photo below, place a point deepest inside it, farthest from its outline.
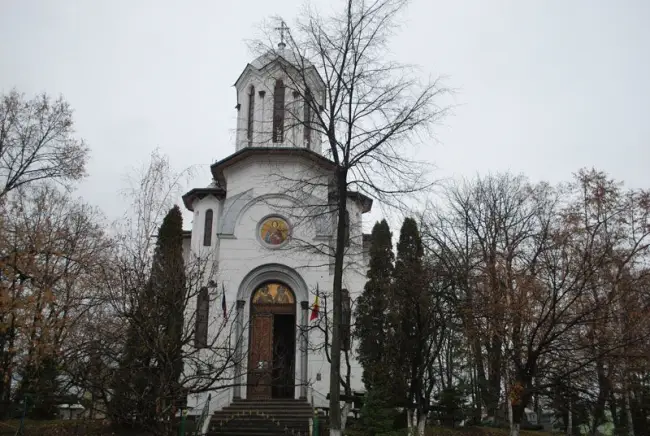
(281, 52)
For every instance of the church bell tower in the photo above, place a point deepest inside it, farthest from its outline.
(278, 95)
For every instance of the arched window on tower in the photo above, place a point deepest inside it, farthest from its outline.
(307, 119)
(207, 229)
(251, 115)
(278, 111)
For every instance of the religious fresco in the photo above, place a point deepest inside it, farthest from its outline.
(273, 293)
(274, 231)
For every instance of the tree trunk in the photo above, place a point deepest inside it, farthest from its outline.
(603, 394)
(494, 375)
(411, 420)
(628, 412)
(519, 409)
(517, 412)
(515, 430)
(569, 425)
(510, 421)
(344, 415)
(422, 422)
(481, 379)
(335, 347)
(613, 409)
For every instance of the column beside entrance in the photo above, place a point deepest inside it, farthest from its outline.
(239, 329)
(304, 345)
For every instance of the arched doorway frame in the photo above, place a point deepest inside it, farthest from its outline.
(270, 323)
(252, 281)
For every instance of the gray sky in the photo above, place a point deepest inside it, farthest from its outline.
(544, 87)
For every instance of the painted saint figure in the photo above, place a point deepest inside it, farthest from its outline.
(283, 296)
(274, 231)
(273, 235)
(263, 296)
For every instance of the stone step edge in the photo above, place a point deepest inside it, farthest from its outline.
(280, 426)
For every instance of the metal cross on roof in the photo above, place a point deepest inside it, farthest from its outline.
(283, 27)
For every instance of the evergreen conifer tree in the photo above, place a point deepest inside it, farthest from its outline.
(148, 380)
(410, 311)
(377, 415)
(371, 308)
(168, 283)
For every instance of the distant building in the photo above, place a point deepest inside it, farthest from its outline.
(70, 411)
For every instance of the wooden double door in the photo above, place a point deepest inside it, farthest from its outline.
(272, 351)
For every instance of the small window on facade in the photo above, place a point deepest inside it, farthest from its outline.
(251, 115)
(207, 231)
(202, 313)
(278, 111)
(307, 119)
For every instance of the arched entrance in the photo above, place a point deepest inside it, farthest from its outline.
(272, 353)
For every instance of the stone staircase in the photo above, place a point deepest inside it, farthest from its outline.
(262, 418)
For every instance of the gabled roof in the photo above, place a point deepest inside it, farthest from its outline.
(285, 55)
(366, 202)
(213, 189)
(217, 168)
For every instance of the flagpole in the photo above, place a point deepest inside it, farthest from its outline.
(224, 307)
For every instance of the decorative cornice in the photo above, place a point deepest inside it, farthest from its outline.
(218, 168)
(200, 193)
(366, 202)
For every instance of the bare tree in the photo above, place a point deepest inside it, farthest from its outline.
(539, 263)
(323, 325)
(372, 110)
(37, 142)
(147, 321)
(51, 248)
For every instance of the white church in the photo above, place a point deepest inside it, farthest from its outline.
(267, 223)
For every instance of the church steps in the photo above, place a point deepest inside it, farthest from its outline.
(246, 422)
(262, 418)
(283, 402)
(262, 432)
(269, 408)
(246, 406)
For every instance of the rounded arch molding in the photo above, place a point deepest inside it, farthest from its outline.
(274, 210)
(273, 272)
(236, 207)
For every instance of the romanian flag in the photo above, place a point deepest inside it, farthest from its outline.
(314, 309)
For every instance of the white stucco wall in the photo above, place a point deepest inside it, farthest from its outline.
(265, 182)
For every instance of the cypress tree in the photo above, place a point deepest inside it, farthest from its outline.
(168, 285)
(409, 313)
(371, 308)
(148, 379)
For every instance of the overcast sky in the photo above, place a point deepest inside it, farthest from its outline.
(543, 87)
